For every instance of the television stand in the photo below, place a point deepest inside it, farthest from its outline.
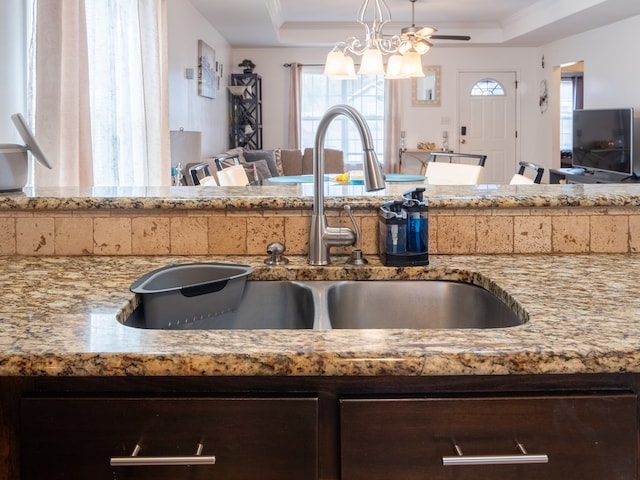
(581, 175)
(634, 178)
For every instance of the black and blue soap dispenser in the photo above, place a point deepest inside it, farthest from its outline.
(417, 222)
(404, 230)
(392, 221)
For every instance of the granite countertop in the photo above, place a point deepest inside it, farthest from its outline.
(59, 317)
(296, 196)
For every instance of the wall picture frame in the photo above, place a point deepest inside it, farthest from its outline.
(207, 74)
(425, 91)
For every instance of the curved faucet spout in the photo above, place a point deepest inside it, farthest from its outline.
(322, 237)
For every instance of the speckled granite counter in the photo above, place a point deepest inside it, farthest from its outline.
(58, 317)
(298, 196)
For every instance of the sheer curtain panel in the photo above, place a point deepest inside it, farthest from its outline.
(119, 100)
(62, 114)
(295, 81)
(392, 116)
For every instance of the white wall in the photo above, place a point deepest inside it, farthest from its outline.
(13, 68)
(611, 74)
(186, 108)
(612, 77)
(420, 123)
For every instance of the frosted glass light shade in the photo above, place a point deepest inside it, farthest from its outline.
(371, 63)
(412, 64)
(340, 66)
(404, 47)
(394, 68)
(334, 64)
(421, 46)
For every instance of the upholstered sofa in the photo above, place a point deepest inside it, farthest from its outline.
(263, 164)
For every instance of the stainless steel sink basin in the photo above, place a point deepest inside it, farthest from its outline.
(416, 304)
(325, 305)
(264, 305)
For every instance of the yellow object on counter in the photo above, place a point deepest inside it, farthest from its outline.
(342, 177)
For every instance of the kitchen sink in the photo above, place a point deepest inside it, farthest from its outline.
(264, 305)
(374, 304)
(416, 304)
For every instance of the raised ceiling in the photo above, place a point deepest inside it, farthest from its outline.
(307, 23)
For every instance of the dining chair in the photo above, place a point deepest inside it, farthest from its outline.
(520, 178)
(443, 173)
(199, 172)
(234, 176)
(208, 181)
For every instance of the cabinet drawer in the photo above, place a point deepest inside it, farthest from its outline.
(583, 436)
(250, 438)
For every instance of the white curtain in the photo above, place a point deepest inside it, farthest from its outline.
(392, 117)
(295, 100)
(62, 117)
(119, 99)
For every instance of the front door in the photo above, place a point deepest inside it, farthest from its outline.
(487, 121)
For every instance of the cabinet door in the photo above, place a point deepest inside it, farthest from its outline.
(592, 437)
(250, 438)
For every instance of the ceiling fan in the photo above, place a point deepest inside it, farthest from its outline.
(418, 37)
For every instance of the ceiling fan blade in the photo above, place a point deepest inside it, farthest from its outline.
(450, 37)
(424, 31)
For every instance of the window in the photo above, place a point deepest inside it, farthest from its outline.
(365, 94)
(117, 92)
(570, 100)
(566, 114)
(487, 86)
(111, 51)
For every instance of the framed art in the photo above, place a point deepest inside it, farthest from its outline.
(425, 91)
(207, 81)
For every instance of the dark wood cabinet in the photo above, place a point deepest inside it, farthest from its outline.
(240, 438)
(327, 428)
(567, 436)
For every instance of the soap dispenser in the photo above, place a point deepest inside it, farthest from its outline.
(392, 221)
(404, 231)
(417, 221)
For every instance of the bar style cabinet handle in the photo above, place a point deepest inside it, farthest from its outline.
(522, 458)
(135, 461)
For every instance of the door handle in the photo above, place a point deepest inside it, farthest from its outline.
(135, 461)
(522, 458)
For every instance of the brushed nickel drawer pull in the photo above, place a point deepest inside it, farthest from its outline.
(521, 458)
(135, 461)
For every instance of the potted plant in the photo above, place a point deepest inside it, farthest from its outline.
(248, 65)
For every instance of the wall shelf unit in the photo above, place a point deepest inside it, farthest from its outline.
(245, 110)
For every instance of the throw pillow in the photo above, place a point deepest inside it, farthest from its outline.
(237, 152)
(257, 171)
(262, 169)
(278, 154)
(267, 155)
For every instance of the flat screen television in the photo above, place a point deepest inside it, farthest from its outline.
(603, 140)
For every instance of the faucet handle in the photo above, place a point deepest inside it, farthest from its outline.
(356, 258)
(275, 250)
(356, 230)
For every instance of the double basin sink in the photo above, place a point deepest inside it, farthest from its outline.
(375, 304)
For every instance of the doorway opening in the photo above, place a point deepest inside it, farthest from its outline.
(571, 98)
(487, 112)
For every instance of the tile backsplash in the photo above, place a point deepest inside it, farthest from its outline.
(470, 231)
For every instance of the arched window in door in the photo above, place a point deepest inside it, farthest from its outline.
(487, 86)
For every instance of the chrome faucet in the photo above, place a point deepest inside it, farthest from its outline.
(322, 237)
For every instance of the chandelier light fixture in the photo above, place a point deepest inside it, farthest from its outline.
(403, 51)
